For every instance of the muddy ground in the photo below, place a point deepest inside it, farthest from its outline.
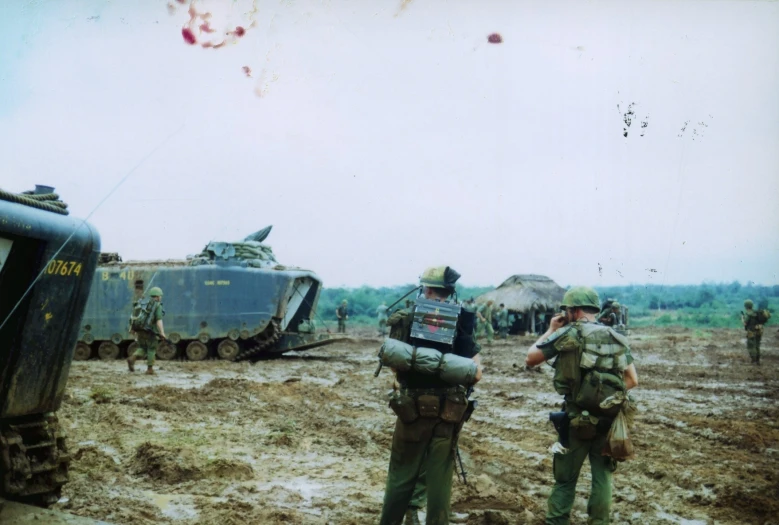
(304, 439)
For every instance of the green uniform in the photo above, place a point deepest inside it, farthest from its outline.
(754, 334)
(342, 312)
(147, 343)
(567, 466)
(422, 456)
(381, 315)
(609, 318)
(486, 312)
(503, 322)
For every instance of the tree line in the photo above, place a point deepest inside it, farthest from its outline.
(707, 304)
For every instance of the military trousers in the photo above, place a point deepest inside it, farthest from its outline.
(503, 331)
(342, 326)
(481, 326)
(566, 473)
(753, 345)
(147, 348)
(421, 463)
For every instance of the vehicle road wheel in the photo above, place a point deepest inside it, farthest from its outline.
(82, 352)
(196, 351)
(228, 350)
(166, 351)
(108, 351)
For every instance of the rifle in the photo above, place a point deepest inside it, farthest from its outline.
(472, 404)
(152, 332)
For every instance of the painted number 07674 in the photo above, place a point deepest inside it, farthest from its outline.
(64, 268)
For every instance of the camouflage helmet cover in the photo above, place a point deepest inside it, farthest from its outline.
(581, 296)
(748, 303)
(439, 277)
(344, 302)
(615, 304)
(155, 292)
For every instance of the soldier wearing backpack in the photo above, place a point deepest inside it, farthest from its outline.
(592, 362)
(146, 324)
(753, 323)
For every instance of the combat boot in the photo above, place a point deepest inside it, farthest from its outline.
(150, 371)
(131, 363)
(412, 517)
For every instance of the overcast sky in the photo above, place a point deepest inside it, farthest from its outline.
(380, 137)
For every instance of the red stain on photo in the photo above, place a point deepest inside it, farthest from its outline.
(495, 38)
(189, 36)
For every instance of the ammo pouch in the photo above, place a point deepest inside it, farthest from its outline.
(429, 405)
(455, 405)
(404, 406)
(595, 387)
(584, 425)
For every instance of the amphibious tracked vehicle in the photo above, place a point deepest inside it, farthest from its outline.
(47, 261)
(233, 301)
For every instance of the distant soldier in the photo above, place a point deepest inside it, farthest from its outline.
(342, 313)
(503, 321)
(753, 324)
(146, 324)
(381, 314)
(484, 321)
(610, 317)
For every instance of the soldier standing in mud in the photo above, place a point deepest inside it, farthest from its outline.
(484, 316)
(148, 341)
(611, 316)
(381, 314)
(422, 456)
(503, 321)
(754, 331)
(570, 341)
(342, 313)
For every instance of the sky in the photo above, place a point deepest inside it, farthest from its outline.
(379, 138)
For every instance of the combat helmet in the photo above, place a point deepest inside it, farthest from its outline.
(748, 304)
(615, 304)
(155, 292)
(582, 297)
(439, 277)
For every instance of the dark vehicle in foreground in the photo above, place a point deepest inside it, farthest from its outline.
(232, 301)
(47, 261)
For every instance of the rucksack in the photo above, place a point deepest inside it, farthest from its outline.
(142, 314)
(763, 316)
(602, 362)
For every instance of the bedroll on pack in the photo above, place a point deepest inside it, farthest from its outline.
(763, 316)
(451, 368)
(142, 313)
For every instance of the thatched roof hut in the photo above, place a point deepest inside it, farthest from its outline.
(530, 299)
(523, 293)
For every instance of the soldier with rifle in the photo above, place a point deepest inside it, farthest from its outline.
(430, 410)
(146, 324)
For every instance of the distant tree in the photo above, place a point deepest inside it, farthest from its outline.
(654, 303)
(762, 303)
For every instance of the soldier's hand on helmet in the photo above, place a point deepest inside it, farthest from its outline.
(558, 321)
